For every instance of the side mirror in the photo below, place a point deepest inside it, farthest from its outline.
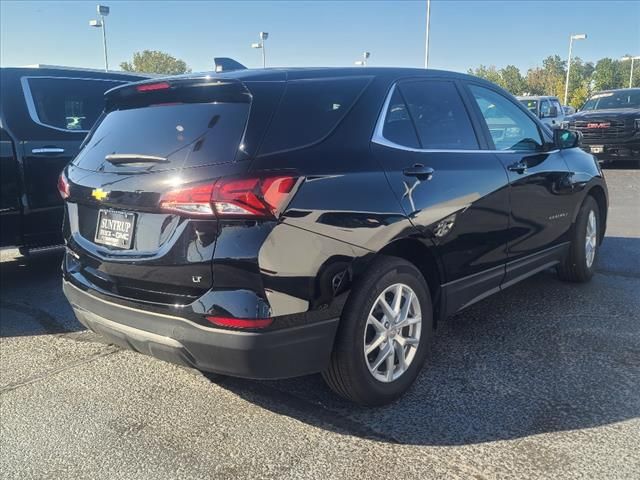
(553, 112)
(566, 138)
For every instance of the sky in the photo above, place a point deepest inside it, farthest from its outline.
(464, 34)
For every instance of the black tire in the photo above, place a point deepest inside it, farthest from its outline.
(348, 374)
(575, 267)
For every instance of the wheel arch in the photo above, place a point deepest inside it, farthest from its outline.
(421, 254)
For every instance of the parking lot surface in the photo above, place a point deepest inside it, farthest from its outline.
(539, 381)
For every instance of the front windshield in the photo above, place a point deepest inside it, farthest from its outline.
(622, 99)
(532, 105)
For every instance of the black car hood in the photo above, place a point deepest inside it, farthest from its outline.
(610, 114)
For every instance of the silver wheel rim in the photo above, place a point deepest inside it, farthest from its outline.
(591, 239)
(392, 333)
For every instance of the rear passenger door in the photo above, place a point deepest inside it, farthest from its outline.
(541, 193)
(452, 189)
(62, 110)
(9, 192)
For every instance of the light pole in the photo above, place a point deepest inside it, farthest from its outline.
(103, 11)
(426, 42)
(363, 62)
(626, 58)
(580, 36)
(263, 37)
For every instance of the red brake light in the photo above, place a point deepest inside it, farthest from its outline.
(262, 197)
(194, 200)
(233, 197)
(63, 186)
(241, 322)
(150, 87)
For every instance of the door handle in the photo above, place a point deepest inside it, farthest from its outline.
(518, 167)
(46, 150)
(419, 171)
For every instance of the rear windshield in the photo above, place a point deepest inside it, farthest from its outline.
(182, 135)
(66, 103)
(310, 110)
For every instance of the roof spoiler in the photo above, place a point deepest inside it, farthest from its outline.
(224, 64)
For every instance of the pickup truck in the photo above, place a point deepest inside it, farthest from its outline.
(610, 125)
(546, 108)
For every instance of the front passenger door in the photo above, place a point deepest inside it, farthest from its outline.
(453, 191)
(540, 188)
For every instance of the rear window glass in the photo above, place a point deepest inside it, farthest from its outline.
(184, 135)
(66, 103)
(310, 110)
(439, 115)
(398, 126)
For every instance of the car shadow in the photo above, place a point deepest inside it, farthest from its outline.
(31, 300)
(542, 356)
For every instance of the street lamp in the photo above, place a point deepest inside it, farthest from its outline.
(260, 45)
(363, 62)
(426, 42)
(580, 36)
(626, 58)
(103, 11)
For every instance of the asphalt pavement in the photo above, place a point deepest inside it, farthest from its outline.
(539, 381)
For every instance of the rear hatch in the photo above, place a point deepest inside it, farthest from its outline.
(155, 138)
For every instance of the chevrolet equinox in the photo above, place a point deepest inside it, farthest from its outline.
(276, 223)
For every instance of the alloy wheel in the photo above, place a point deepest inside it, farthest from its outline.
(591, 239)
(392, 332)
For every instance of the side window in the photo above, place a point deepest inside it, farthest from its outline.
(66, 103)
(556, 103)
(510, 127)
(310, 110)
(439, 115)
(398, 127)
(545, 108)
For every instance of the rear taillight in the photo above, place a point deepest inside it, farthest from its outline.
(194, 200)
(240, 322)
(63, 186)
(233, 197)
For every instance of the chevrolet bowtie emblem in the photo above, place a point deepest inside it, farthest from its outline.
(99, 194)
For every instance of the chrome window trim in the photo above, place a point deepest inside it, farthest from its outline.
(379, 138)
(31, 106)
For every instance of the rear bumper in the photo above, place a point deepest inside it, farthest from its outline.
(281, 353)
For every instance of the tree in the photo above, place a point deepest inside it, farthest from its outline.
(625, 71)
(580, 95)
(511, 80)
(548, 80)
(488, 73)
(608, 74)
(153, 61)
(535, 81)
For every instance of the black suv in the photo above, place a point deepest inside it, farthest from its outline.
(45, 113)
(610, 125)
(275, 223)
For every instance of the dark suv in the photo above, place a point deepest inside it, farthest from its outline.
(275, 223)
(45, 113)
(610, 125)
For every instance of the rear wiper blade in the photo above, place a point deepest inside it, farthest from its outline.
(120, 158)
